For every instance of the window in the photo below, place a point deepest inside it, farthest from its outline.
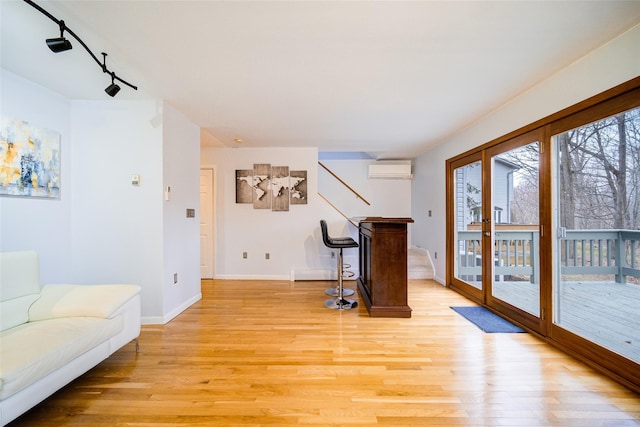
(543, 226)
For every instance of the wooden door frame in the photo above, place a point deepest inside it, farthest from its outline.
(213, 215)
(531, 322)
(620, 98)
(460, 286)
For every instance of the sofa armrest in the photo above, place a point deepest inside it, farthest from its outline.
(81, 300)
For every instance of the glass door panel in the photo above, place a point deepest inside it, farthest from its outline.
(467, 189)
(515, 219)
(597, 245)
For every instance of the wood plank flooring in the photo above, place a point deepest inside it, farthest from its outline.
(267, 353)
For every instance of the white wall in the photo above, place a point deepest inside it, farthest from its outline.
(117, 232)
(387, 197)
(103, 229)
(31, 223)
(612, 64)
(240, 228)
(292, 238)
(181, 244)
(127, 233)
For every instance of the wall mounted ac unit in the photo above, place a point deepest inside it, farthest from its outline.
(392, 170)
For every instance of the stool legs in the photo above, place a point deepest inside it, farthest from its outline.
(334, 292)
(340, 303)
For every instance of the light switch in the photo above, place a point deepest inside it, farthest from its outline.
(135, 179)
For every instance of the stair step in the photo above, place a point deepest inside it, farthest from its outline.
(419, 264)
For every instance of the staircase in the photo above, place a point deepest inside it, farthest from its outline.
(419, 264)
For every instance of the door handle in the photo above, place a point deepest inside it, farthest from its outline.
(562, 232)
(486, 233)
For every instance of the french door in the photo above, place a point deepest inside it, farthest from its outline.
(596, 293)
(543, 227)
(465, 247)
(495, 200)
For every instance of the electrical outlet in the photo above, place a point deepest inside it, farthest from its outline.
(244, 255)
(266, 255)
(435, 254)
(175, 278)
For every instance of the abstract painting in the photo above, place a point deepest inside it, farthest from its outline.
(29, 160)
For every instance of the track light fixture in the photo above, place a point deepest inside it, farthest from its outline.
(113, 88)
(60, 44)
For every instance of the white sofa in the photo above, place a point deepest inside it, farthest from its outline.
(51, 335)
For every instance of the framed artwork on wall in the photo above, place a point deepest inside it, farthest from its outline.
(244, 186)
(29, 160)
(280, 188)
(261, 186)
(298, 184)
(271, 187)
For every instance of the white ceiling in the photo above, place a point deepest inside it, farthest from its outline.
(389, 78)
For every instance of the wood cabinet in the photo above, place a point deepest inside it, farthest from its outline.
(383, 266)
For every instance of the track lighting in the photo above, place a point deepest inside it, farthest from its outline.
(60, 44)
(113, 88)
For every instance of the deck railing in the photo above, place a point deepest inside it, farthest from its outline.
(583, 252)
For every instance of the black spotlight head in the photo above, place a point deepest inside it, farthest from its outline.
(112, 89)
(59, 44)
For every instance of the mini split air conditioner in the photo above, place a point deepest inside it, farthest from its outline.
(390, 170)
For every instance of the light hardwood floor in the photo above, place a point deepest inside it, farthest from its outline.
(257, 353)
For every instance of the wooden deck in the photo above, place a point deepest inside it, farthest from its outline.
(607, 313)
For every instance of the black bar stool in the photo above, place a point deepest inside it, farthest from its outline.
(339, 303)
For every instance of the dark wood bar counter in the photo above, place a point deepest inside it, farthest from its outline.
(383, 266)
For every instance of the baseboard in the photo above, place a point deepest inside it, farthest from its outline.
(152, 320)
(161, 320)
(295, 275)
(319, 274)
(250, 277)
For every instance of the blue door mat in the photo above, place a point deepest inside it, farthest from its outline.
(486, 320)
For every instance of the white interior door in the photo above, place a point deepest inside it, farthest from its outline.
(206, 223)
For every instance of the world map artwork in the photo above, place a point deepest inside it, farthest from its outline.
(271, 187)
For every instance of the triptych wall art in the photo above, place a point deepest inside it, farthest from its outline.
(29, 160)
(271, 187)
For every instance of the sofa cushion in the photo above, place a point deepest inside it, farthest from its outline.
(19, 286)
(33, 350)
(15, 311)
(80, 300)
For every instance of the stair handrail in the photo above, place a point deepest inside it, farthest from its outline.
(355, 224)
(345, 184)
